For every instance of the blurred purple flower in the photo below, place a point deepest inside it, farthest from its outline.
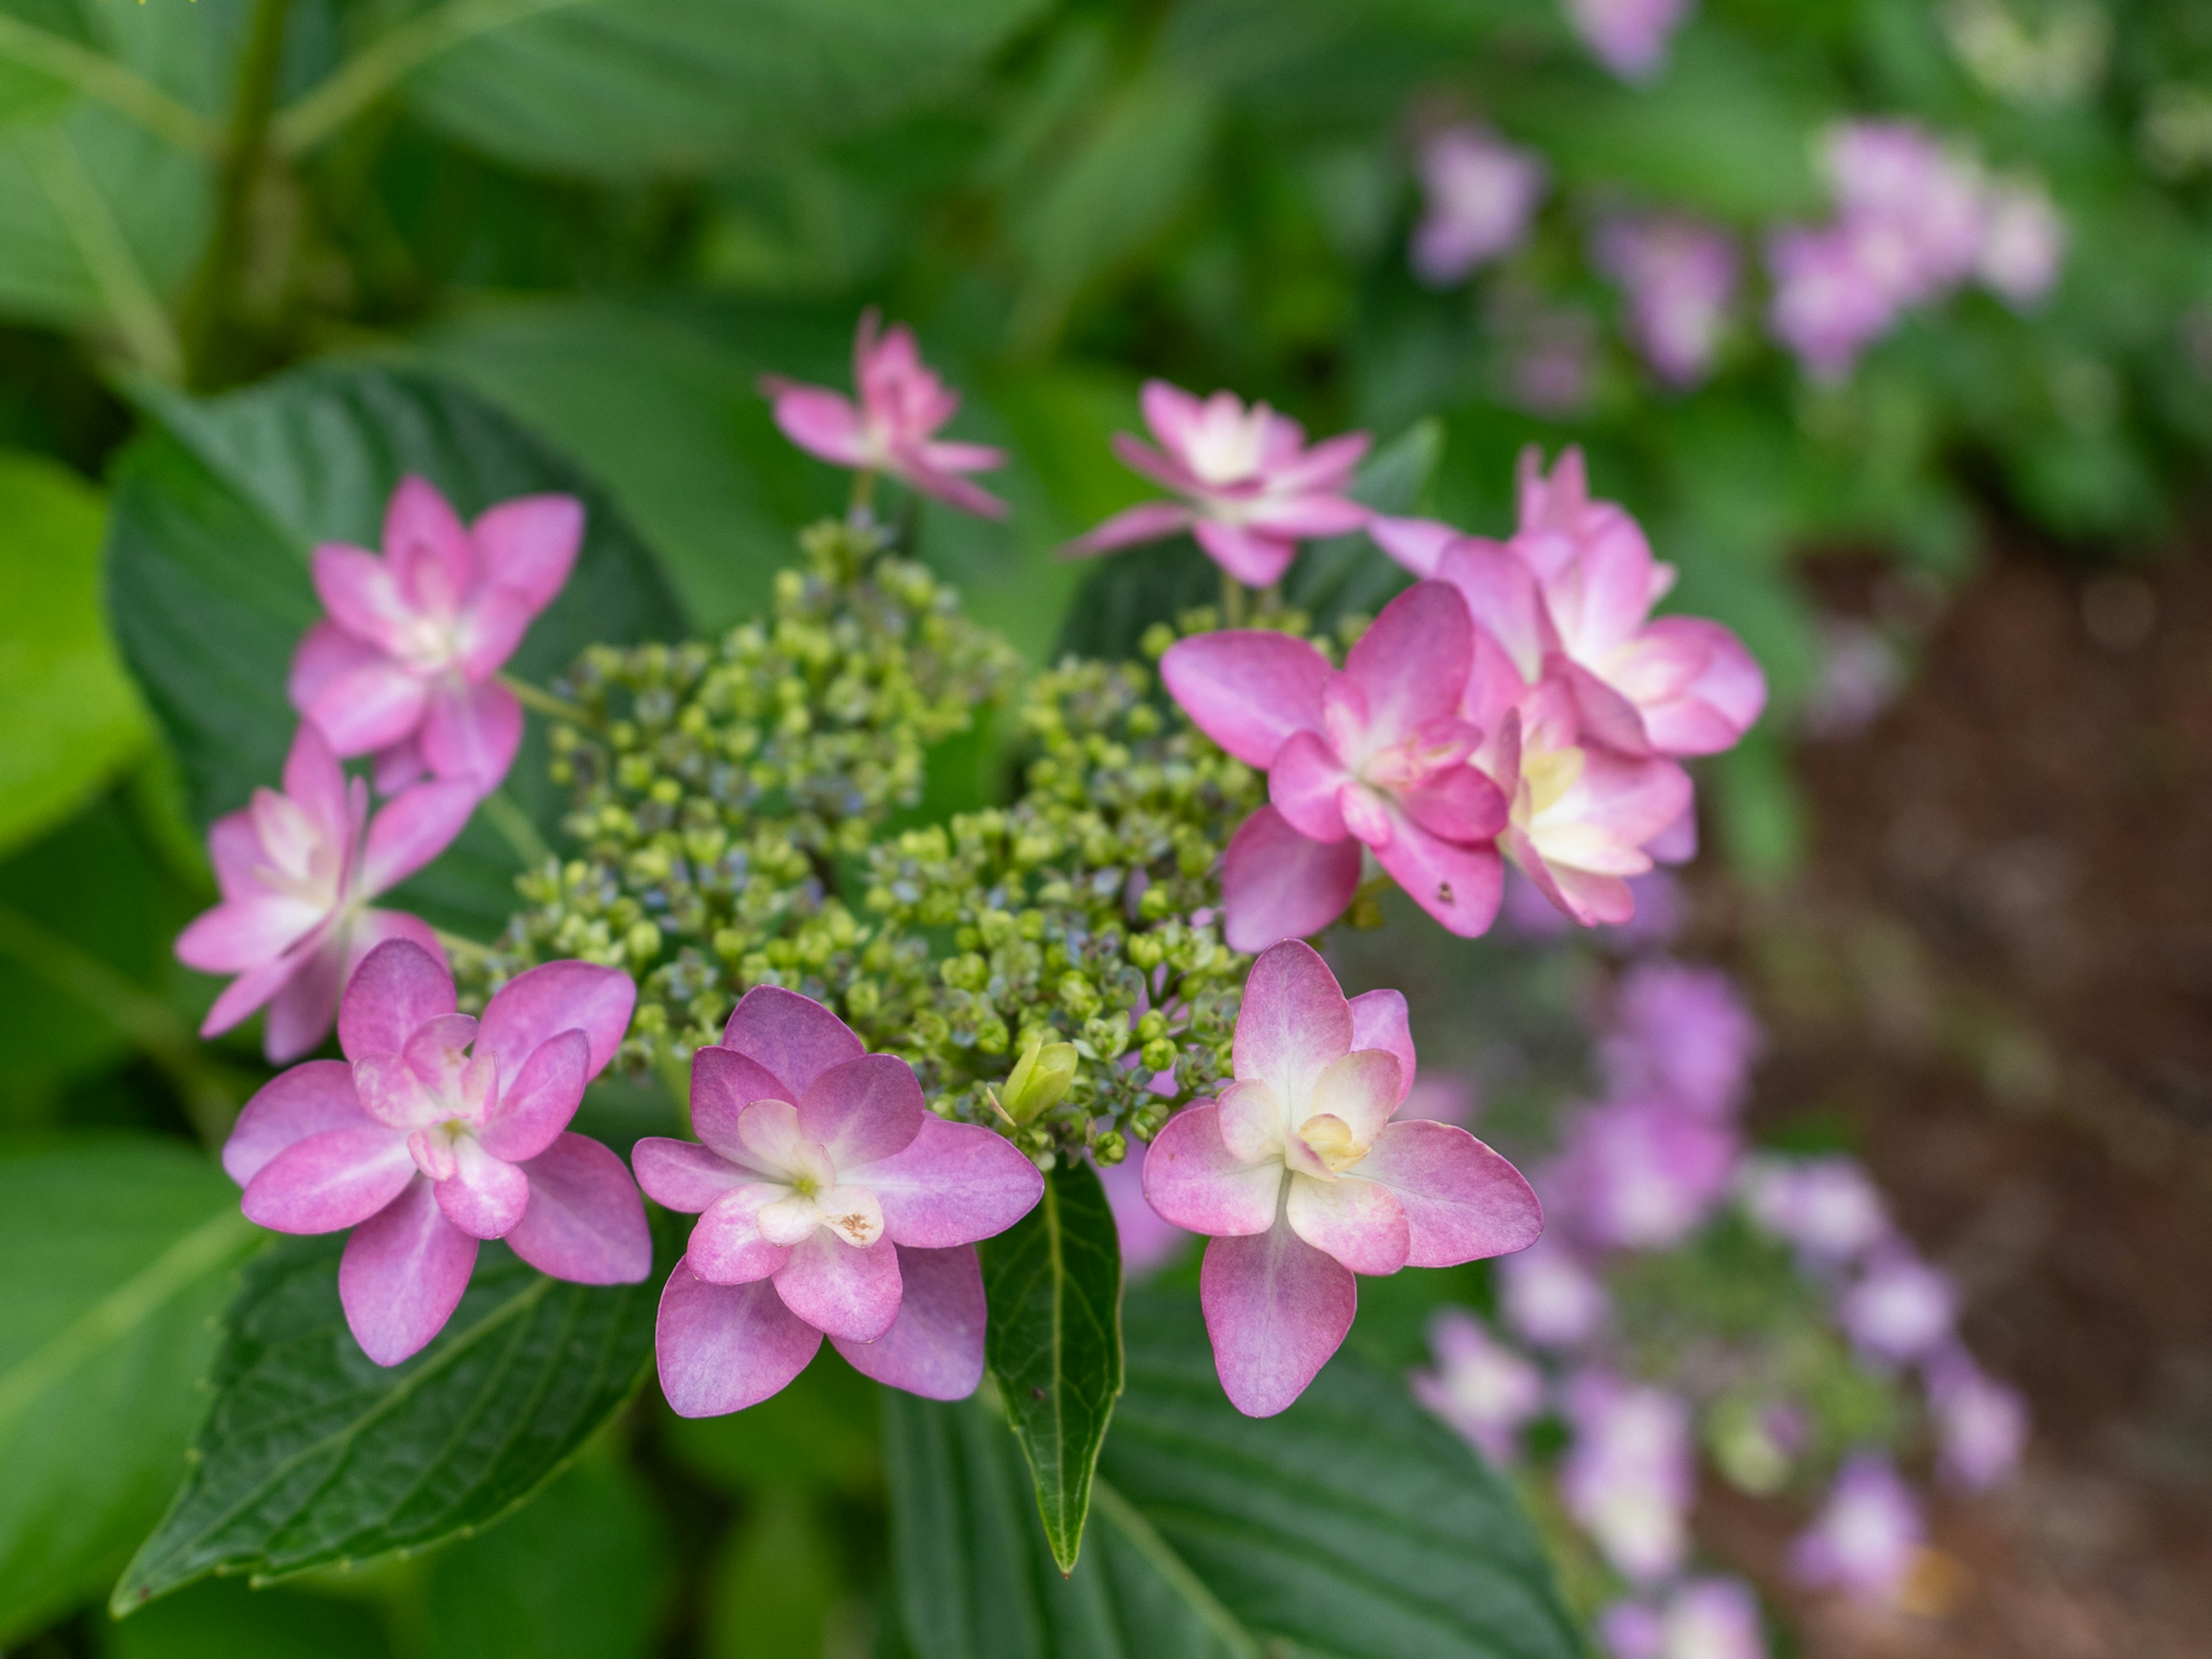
(1901, 1309)
(1549, 1295)
(2023, 242)
(1860, 675)
(1147, 1242)
(1894, 181)
(1981, 1425)
(1682, 1034)
(1629, 37)
(1713, 1619)
(1827, 1206)
(1482, 1388)
(1680, 275)
(1828, 304)
(1865, 1538)
(1642, 1174)
(1480, 194)
(1630, 1473)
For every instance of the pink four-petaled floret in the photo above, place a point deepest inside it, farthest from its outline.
(893, 428)
(296, 871)
(437, 1131)
(1301, 1180)
(405, 666)
(1251, 490)
(832, 1201)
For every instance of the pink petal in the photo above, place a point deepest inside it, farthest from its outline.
(864, 1109)
(1304, 783)
(1147, 521)
(1251, 1122)
(1415, 543)
(585, 1222)
(307, 1100)
(234, 850)
(727, 1247)
(953, 1184)
(1168, 470)
(1329, 466)
(536, 1106)
(398, 988)
(243, 933)
(1600, 602)
(839, 1289)
(530, 545)
(1193, 1181)
(1247, 689)
(795, 1037)
(403, 1273)
(822, 422)
(1460, 886)
(490, 628)
(301, 1010)
(326, 653)
(1254, 558)
(1721, 705)
(555, 997)
(723, 1347)
(1362, 1088)
(314, 778)
(334, 1179)
(1357, 1222)
(1458, 804)
(1172, 413)
(472, 732)
(397, 767)
(1295, 1021)
(1501, 595)
(486, 1195)
(437, 1055)
(949, 456)
(723, 1084)
(1463, 1202)
(426, 543)
(947, 486)
(1276, 1309)
(371, 708)
(1603, 715)
(244, 994)
(1303, 517)
(1413, 662)
(1277, 884)
(412, 828)
(934, 1348)
(361, 592)
(393, 1094)
(681, 1175)
(1380, 1020)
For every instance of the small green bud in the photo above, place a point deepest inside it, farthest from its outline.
(643, 941)
(1040, 1080)
(1153, 1026)
(1159, 1054)
(1147, 1121)
(1113, 1147)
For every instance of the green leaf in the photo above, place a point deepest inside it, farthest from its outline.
(775, 1586)
(224, 1618)
(214, 516)
(313, 1454)
(114, 1255)
(1346, 573)
(69, 709)
(1354, 1526)
(1053, 1346)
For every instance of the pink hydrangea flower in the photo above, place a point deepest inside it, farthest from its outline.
(1629, 1476)
(1921, 207)
(1482, 1388)
(1682, 1034)
(296, 871)
(1549, 1296)
(1867, 1535)
(893, 428)
(1251, 490)
(1703, 1619)
(1480, 194)
(832, 1201)
(1831, 300)
(1642, 1174)
(2023, 242)
(1981, 1425)
(1374, 756)
(437, 1131)
(1901, 1309)
(1827, 1207)
(1681, 276)
(1300, 1179)
(1629, 37)
(405, 667)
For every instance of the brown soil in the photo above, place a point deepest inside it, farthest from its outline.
(1997, 972)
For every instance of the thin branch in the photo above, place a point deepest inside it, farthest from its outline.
(505, 815)
(103, 79)
(129, 298)
(532, 696)
(388, 60)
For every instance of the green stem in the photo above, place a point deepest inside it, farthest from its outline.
(1233, 601)
(131, 303)
(101, 78)
(553, 707)
(457, 946)
(505, 815)
(862, 498)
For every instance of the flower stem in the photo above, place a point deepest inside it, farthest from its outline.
(456, 945)
(553, 707)
(1233, 601)
(513, 824)
(864, 492)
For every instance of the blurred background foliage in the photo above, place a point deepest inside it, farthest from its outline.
(608, 217)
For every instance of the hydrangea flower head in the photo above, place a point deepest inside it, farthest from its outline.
(1681, 276)
(405, 667)
(1301, 1180)
(437, 1131)
(296, 869)
(1629, 37)
(1867, 1535)
(831, 1202)
(893, 428)
(1480, 1385)
(1480, 194)
(1375, 756)
(1251, 490)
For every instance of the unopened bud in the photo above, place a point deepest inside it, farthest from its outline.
(1039, 1080)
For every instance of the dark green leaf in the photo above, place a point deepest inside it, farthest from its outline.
(1348, 574)
(313, 1455)
(1054, 1283)
(114, 1256)
(1354, 1526)
(224, 1618)
(214, 516)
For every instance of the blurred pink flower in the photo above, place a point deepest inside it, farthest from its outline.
(902, 403)
(1549, 1295)
(1251, 490)
(832, 1201)
(1682, 1034)
(1481, 192)
(1867, 1535)
(1827, 1206)
(1301, 1180)
(1920, 206)
(2023, 242)
(1630, 1474)
(1629, 37)
(1901, 1309)
(1680, 275)
(1829, 302)
(1480, 1385)
(406, 666)
(296, 871)
(1981, 1425)
(1642, 1174)
(1703, 1619)
(1374, 756)
(439, 1130)
(1147, 1242)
